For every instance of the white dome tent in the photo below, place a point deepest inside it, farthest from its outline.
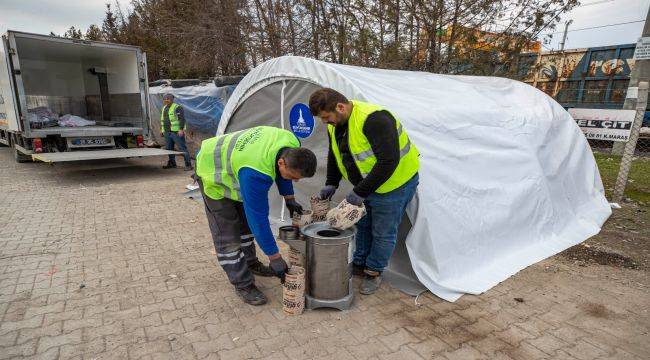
(506, 178)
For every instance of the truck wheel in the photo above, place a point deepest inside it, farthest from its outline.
(20, 157)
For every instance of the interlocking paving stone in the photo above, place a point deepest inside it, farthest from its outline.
(107, 260)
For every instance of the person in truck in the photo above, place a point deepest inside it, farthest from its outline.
(370, 149)
(172, 128)
(235, 173)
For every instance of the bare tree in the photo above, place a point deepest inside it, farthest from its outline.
(193, 38)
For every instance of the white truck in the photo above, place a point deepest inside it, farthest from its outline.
(68, 100)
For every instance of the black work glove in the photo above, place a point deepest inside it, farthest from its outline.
(327, 192)
(293, 206)
(279, 267)
(354, 199)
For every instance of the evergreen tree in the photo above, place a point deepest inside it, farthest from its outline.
(73, 33)
(94, 33)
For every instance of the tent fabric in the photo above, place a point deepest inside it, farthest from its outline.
(506, 176)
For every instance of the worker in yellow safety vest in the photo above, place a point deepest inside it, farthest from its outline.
(236, 172)
(370, 148)
(172, 128)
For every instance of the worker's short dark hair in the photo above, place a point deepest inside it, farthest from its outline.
(302, 160)
(325, 100)
(168, 96)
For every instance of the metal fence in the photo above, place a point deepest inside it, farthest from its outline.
(637, 146)
(608, 147)
(632, 145)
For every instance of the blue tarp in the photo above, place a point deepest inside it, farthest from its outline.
(202, 104)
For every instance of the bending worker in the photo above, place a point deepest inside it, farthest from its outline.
(236, 172)
(368, 147)
(172, 128)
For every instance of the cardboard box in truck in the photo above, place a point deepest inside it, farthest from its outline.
(68, 100)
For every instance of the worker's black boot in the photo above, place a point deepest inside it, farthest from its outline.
(370, 282)
(252, 295)
(260, 269)
(169, 166)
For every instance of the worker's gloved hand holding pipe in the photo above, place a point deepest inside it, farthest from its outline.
(327, 192)
(293, 206)
(279, 266)
(354, 199)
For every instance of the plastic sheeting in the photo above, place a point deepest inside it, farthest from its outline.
(42, 117)
(70, 120)
(203, 104)
(506, 179)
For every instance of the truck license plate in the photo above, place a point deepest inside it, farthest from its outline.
(99, 141)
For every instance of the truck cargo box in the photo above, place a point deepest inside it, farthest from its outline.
(64, 95)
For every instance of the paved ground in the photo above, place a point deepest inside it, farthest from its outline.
(108, 261)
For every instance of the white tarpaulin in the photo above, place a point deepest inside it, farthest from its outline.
(506, 179)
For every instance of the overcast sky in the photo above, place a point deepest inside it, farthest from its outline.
(43, 16)
(598, 13)
(58, 15)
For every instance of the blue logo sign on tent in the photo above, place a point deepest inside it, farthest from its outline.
(301, 121)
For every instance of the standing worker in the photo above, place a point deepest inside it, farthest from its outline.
(172, 127)
(236, 172)
(369, 148)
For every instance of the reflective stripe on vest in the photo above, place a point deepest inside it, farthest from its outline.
(221, 157)
(174, 124)
(361, 150)
(369, 153)
(218, 175)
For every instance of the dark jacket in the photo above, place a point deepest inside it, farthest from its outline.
(381, 132)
